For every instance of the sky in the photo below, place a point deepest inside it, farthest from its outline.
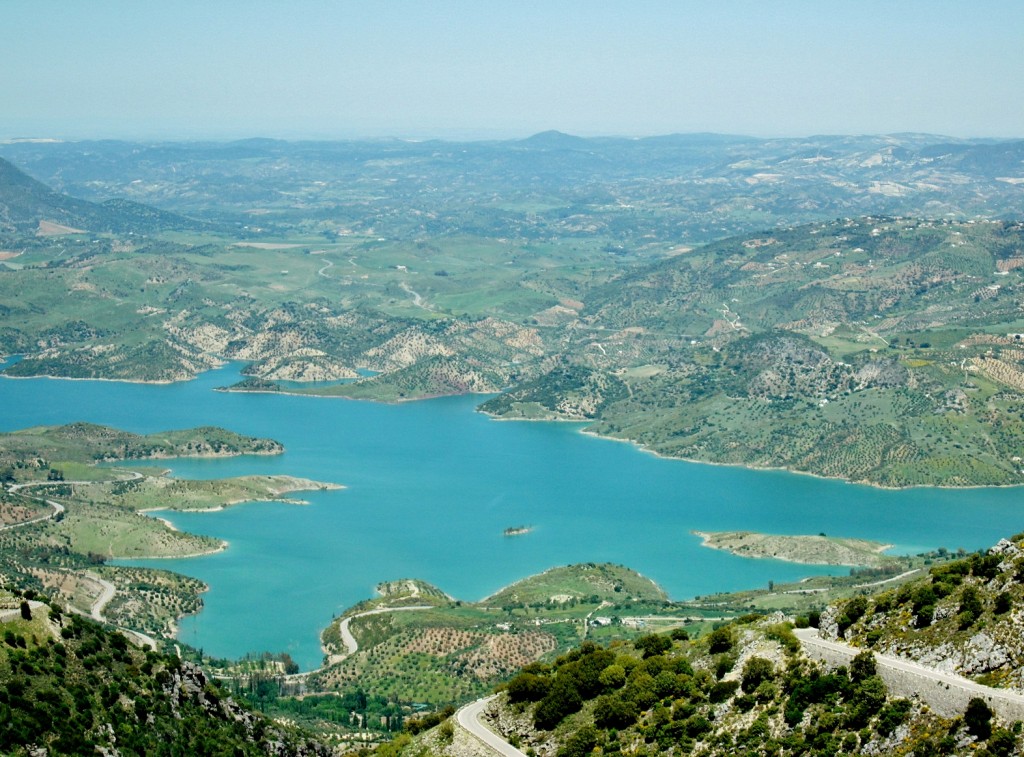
(478, 69)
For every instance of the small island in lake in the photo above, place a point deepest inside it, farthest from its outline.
(517, 530)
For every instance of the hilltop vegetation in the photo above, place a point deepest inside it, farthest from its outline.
(29, 206)
(440, 650)
(70, 687)
(633, 194)
(24, 453)
(874, 350)
(869, 346)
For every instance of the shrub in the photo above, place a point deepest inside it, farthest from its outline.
(782, 633)
(852, 612)
(866, 699)
(892, 715)
(722, 691)
(580, 743)
(862, 666)
(724, 664)
(653, 644)
(721, 640)
(527, 687)
(1003, 743)
(641, 690)
(612, 711)
(562, 699)
(613, 677)
(985, 566)
(755, 671)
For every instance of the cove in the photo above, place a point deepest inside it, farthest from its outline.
(431, 485)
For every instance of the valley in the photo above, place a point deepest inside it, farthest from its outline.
(848, 308)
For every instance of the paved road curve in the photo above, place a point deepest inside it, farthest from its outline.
(469, 718)
(949, 693)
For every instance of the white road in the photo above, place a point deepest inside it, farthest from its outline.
(417, 299)
(105, 596)
(57, 509)
(1014, 701)
(323, 269)
(469, 718)
(351, 645)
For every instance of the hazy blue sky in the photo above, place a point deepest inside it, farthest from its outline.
(236, 68)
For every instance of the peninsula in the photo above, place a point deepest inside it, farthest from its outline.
(811, 550)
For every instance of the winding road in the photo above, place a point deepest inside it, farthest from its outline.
(107, 589)
(351, 645)
(106, 594)
(57, 509)
(468, 717)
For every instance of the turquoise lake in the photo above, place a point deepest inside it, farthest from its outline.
(431, 485)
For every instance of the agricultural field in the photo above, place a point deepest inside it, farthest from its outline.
(417, 644)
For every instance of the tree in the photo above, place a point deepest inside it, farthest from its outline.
(612, 711)
(528, 687)
(26, 611)
(653, 644)
(978, 719)
(613, 677)
(862, 666)
(970, 607)
(563, 699)
(580, 743)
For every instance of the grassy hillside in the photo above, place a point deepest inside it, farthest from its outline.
(28, 454)
(877, 350)
(441, 650)
(65, 517)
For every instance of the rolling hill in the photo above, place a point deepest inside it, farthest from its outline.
(25, 203)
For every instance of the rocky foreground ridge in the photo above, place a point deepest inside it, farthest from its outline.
(750, 687)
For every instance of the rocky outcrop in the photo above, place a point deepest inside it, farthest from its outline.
(188, 683)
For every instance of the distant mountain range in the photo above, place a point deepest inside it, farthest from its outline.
(694, 187)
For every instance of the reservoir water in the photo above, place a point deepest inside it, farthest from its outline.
(431, 486)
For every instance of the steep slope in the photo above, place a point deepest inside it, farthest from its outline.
(67, 686)
(25, 202)
(965, 617)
